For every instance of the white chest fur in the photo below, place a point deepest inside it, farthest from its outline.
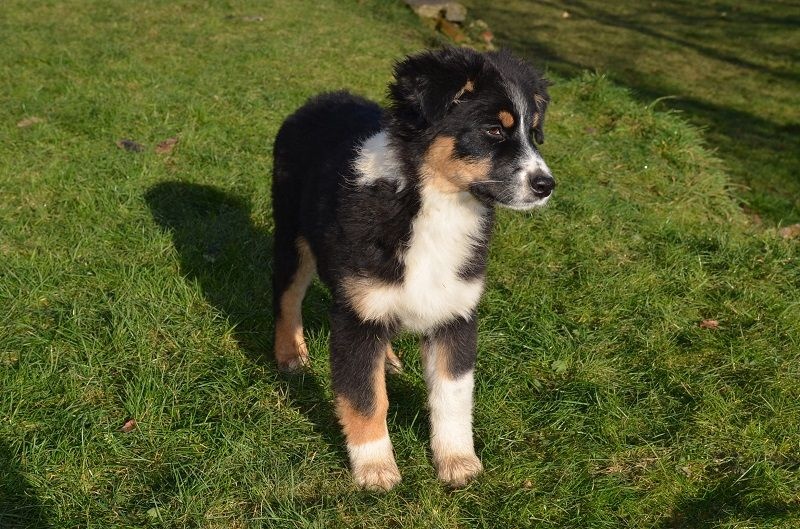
(443, 236)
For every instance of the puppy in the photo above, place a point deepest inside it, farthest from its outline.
(394, 210)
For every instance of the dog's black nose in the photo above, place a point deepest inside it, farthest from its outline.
(542, 184)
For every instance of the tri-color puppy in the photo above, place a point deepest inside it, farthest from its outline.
(394, 210)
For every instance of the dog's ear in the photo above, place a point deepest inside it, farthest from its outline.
(427, 85)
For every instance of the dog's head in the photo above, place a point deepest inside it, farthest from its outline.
(475, 120)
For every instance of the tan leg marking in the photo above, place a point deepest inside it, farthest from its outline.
(393, 364)
(439, 353)
(441, 169)
(291, 352)
(360, 428)
(506, 119)
(368, 444)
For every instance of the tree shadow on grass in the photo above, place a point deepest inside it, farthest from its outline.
(19, 505)
(687, 18)
(231, 259)
(725, 500)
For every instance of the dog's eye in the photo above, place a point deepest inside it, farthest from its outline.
(495, 132)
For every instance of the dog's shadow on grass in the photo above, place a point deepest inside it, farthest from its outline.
(230, 257)
(19, 505)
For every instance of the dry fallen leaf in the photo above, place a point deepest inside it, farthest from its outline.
(452, 30)
(129, 145)
(129, 426)
(27, 122)
(166, 146)
(709, 324)
(790, 232)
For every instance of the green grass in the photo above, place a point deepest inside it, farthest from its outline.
(731, 67)
(136, 285)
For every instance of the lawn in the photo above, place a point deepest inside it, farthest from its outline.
(136, 286)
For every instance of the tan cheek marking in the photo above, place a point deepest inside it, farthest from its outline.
(468, 87)
(536, 118)
(289, 341)
(449, 174)
(506, 119)
(360, 428)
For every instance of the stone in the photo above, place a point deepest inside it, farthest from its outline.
(452, 11)
(790, 232)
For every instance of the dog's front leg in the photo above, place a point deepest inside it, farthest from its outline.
(358, 357)
(448, 355)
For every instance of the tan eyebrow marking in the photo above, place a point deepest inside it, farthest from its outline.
(468, 87)
(506, 119)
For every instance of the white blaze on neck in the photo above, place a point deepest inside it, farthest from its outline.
(444, 233)
(443, 236)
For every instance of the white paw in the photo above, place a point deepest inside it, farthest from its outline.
(377, 476)
(458, 470)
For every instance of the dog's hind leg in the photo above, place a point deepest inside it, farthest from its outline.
(358, 357)
(294, 268)
(448, 356)
(393, 364)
